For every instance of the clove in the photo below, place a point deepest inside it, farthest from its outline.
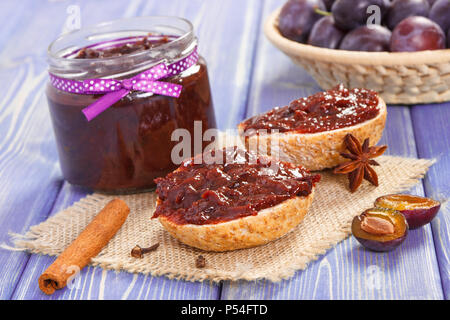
(138, 252)
(200, 262)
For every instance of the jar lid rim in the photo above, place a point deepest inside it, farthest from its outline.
(55, 57)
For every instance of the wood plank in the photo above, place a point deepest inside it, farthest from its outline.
(96, 283)
(234, 21)
(431, 128)
(31, 182)
(11, 14)
(347, 271)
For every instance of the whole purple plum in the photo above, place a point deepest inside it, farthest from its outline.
(401, 9)
(417, 34)
(297, 18)
(351, 14)
(325, 34)
(373, 38)
(440, 13)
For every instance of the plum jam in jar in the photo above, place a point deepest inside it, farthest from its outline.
(129, 144)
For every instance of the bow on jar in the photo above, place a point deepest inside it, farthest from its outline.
(117, 89)
(114, 89)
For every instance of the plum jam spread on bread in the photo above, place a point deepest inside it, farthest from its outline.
(238, 186)
(324, 111)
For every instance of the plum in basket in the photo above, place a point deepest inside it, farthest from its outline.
(440, 13)
(325, 34)
(417, 34)
(351, 14)
(297, 18)
(373, 38)
(402, 9)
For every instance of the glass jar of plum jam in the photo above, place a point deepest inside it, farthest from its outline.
(127, 146)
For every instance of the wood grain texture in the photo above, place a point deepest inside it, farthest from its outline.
(28, 160)
(347, 271)
(96, 283)
(432, 132)
(229, 75)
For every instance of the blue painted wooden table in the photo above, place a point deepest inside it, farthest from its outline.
(248, 75)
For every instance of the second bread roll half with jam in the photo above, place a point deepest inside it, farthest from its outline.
(310, 131)
(243, 202)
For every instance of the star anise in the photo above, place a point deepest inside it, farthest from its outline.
(359, 167)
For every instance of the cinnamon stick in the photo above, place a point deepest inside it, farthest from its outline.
(86, 246)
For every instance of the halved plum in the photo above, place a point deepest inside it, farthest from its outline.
(418, 211)
(380, 229)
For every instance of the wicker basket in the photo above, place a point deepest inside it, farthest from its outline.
(400, 78)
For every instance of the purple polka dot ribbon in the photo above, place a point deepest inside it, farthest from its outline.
(114, 89)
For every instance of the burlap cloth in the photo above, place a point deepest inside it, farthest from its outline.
(326, 224)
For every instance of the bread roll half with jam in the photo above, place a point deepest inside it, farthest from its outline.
(243, 201)
(310, 131)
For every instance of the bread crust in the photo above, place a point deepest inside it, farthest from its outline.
(318, 151)
(269, 224)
